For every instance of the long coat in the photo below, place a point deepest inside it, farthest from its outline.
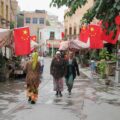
(58, 68)
(74, 69)
(32, 76)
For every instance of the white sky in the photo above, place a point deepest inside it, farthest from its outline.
(32, 5)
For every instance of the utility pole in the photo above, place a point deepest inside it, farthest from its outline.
(117, 71)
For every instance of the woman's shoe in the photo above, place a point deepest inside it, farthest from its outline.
(56, 93)
(60, 94)
(32, 102)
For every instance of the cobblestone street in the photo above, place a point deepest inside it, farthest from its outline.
(89, 100)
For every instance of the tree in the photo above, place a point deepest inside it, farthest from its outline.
(12, 25)
(105, 10)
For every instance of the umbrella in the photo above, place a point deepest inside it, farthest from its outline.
(79, 44)
(64, 45)
(74, 44)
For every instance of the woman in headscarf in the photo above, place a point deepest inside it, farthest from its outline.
(33, 78)
(72, 71)
(58, 70)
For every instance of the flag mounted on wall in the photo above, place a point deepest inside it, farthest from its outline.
(22, 41)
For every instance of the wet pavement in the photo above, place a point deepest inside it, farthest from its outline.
(90, 100)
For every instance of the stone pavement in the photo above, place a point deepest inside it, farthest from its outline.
(86, 71)
(89, 101)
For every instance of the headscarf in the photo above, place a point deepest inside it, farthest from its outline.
(34, 60)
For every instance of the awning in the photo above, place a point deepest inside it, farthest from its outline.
(64, 45)
(74, 44)
(53, 43)
(79, 44)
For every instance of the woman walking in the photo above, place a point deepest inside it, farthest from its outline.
(58, 70)
(72, 70)
(33, 78)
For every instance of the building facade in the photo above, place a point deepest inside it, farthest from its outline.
(8, 10)
(53, 20)
(50, 38)
(72, 24)
(35, 21)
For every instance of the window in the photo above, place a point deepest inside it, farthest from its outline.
(52, 35)
(35, 21)
(74, 30)
(41, 20)
(70, 30)
(2, 9)
(28, 20)
(7, 12)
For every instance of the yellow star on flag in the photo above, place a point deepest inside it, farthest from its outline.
(92, 29)
(25, 32)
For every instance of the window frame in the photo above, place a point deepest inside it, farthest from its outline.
(35, 20)
(26, 20)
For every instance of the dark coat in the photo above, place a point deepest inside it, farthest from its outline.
(58, 68)
(74, 69)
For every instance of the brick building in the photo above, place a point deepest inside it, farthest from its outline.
(8, 11)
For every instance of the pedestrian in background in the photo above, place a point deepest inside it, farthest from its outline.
(72, 71)
(33, 78)
(58, 70)
(93, 66)
(41, 60)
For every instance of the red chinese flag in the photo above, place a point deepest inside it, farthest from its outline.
(109, 37)
(33, 37)
(84, 34)
(22, 41)
(95, 33)
(117, 20)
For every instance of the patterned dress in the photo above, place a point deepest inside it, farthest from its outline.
(32, 80)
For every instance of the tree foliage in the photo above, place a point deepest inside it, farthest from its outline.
(12, 25)
(105, 10)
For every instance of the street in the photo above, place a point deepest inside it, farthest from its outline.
(89, 100)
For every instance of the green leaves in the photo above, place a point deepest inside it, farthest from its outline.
(105, 10)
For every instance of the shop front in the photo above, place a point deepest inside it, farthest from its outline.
(53, 46)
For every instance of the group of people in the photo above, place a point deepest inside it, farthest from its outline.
(63, 67)
(60, 68)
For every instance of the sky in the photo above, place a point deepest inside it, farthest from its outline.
(32, 5)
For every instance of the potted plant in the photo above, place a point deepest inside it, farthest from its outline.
(102, 68)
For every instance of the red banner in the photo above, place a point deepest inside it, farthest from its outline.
(95, 34)
(22, 41)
